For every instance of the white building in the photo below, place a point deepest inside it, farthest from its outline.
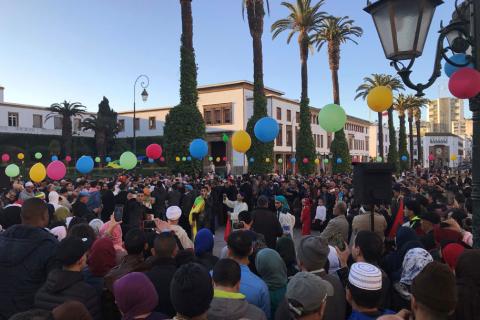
(441, 147)
(446, 115)
(374, 146)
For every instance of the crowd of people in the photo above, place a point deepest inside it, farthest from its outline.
(132, 247)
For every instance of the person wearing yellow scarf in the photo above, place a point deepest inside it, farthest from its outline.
(197, 209)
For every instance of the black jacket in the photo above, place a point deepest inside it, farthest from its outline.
(26, 256)
(108, 202)
(62, 286)
(161, 276)
(80, 209)
(265, 222)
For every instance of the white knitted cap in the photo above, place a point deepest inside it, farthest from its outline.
(365, 276)
(173, 213)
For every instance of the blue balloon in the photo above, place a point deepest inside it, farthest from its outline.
(251, 160)
(54, 158)
(266, 129)
(404, 158)
(293, 160)
(459, 58)
(108, 159)
(198, 148)
(150, 160)
(189, 158)
(85, 164)
(339, 160)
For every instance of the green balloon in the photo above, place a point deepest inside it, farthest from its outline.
(12, 170)
(210, 158)
(225, 138)
(379, 159)
(128, 160)
(97, 159)
(38, 156)
(184, 158)
(325, 160)
(332, 118)
(280, 160)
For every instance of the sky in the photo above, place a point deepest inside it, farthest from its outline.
(55, 50)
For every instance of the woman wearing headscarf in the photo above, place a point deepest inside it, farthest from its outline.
(415, 260)
(136, 297)
(273, 271)
(286, 219)
(204, 243)
(101, 260)
(286, 249)
(468, 286)
(113, 231)
(60, 212)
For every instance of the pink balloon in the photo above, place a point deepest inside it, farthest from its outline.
(68, 158)
(305, 160)
(431, 157)
(154, 151)
(56, 170)
(5, 157)
(224, 158)
(464, 83)
(162, 159)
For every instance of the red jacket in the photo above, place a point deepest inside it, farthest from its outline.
(306, 220)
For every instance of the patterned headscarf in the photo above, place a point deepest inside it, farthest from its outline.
(415, 260)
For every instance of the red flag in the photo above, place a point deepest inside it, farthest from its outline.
(398, 220)
(228, 228)
(385, 114)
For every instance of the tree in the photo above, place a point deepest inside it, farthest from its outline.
(395, 84)
(416, 113)
(401, 104)
(54, 147)
(66, 110)
(184, 122)
(259, 150)
(303, 19)
(105, 126)
(335, 31)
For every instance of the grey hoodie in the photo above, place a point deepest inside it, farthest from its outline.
(234, 309)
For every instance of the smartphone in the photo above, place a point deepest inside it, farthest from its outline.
(118, 213)
(149, 225)
(238, 225)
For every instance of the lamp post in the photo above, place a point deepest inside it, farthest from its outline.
(144, 82)
(402, 26)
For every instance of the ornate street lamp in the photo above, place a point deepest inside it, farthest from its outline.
(145, 81)
(402, 26)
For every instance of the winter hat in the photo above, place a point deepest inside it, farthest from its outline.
(203, 241)
(102, 257)
(71, 249)
(312, 252)
(413, 263)
(173, 213)
(451, 252)
(135, 295)
(435, 288)
(365, 276)
(191, 290)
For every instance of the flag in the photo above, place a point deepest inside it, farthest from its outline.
(398, 221)
(384, 114)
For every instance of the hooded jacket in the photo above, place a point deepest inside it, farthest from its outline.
(26, 257)
(232, 306)
(64, 285)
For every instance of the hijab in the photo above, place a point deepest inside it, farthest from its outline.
(53, 199)
(271, 268)
(284, 202)
(102, 257)
(203, 242)
(96, 225)
(415, 260)
(116, 235)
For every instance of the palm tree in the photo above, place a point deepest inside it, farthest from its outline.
(419, 103)
(401, 104)
(362, 91)
(335, 31)
(258, 150)
(302, 19)
(66, 110)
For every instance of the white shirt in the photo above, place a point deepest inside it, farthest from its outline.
(287, 221)
(321, 213)
(237, 207)
(182, 236)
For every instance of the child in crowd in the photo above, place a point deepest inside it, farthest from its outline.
(305, 217)
(320, 216)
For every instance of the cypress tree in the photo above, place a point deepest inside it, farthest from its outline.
(339, 150)
(392, 156)
(305, 143)
(402, 144)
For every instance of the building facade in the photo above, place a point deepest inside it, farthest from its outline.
(374, 146)
(445, 115)
(440, 150)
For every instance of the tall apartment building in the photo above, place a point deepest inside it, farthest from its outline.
(445, 115)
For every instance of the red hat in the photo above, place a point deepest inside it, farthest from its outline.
(451, 252)
(446, 235)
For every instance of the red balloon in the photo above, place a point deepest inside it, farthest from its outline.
(465, 83)
(162, 159)
(224, 158)
(68, 159)
(5, 157)
(154, 151)
(305, 160)
(431, 157)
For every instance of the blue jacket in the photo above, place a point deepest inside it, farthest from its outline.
(255, 290)
(26, 257)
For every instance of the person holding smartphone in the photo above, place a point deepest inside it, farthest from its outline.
(238, 206)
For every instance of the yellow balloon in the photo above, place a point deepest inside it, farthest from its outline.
(241, 141)
(267, 160)
(20, 156)
(177, 158)
(453, 157)
(218, 159)
(38, 172)
(317, 161)
(380, 98)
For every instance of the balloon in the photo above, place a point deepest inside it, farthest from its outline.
(56, 170)
(332, 118)
(5, 157)
(459, 58)
(251, 160)
(177, 158)
(224, 158)
(210, 158)
(162, 159)
(241, 141)
(465, 83)
(37, 172)
(189, 158)
(266, 129)
(97, 159)
(379, 159)
(154, 151)
(380, 98)
(280, 160)
(267, 160)
(38, 156)
(128, 160)
(68, 159)
(453, 157)
(150, 160)
(305, 160)
(20, 156)
(317, 161)
(325, 160)
(293, 160)
(218, 159)
(198, 148)
(54, 158)
(339, 160)
(84, 164)
(12, 170)
(225, 138)
(108, 159)
(431, 157)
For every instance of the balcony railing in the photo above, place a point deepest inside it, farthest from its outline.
(42, 131)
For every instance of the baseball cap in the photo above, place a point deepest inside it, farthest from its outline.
(71, 249)
(83, 194)
(306, 292)
(29, 184)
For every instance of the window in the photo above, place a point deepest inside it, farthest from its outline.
(121, 125)
(289, 115)
(207, 116)
(321, 141)
(297, 117)
(218, 114)
(152, 123)
(279, 141)
(37, 121)
(13, 119)
(318, 141)
(227, 115)
(366, 143)
(77, 124)
(57, 122)
(137, 124)
(279, 113)
(329, 141)
(289, 136)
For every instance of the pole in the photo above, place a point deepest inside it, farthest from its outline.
(134, 129)
(475, 108)
(144, 84)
